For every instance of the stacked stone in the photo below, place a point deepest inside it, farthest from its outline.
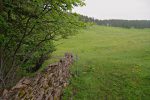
(47, 85)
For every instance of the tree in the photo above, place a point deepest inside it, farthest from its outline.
(28, 29)
(118, 22)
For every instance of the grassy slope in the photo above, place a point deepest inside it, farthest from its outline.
(111, 64)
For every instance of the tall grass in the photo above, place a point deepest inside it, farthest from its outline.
(110, 64)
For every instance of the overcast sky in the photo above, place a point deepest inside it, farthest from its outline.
(116, 9)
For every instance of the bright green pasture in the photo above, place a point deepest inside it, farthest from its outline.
(110, 64)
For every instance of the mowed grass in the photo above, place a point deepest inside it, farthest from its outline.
(110, 64)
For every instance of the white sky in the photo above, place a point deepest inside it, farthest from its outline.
(116, 9)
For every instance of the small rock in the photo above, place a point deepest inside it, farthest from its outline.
(5, 92)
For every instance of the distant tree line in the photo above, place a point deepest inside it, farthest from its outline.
(118, 22)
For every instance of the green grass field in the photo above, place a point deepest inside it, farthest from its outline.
(110, 64)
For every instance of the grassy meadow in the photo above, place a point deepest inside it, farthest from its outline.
(110, 64)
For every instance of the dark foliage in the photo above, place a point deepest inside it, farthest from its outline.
(28, 29)
(118, 22)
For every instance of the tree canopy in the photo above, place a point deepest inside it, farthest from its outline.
(118, 22)
(28, 29)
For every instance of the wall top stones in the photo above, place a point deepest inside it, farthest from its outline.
(47, 85)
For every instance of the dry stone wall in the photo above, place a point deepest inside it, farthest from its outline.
(47, 85)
